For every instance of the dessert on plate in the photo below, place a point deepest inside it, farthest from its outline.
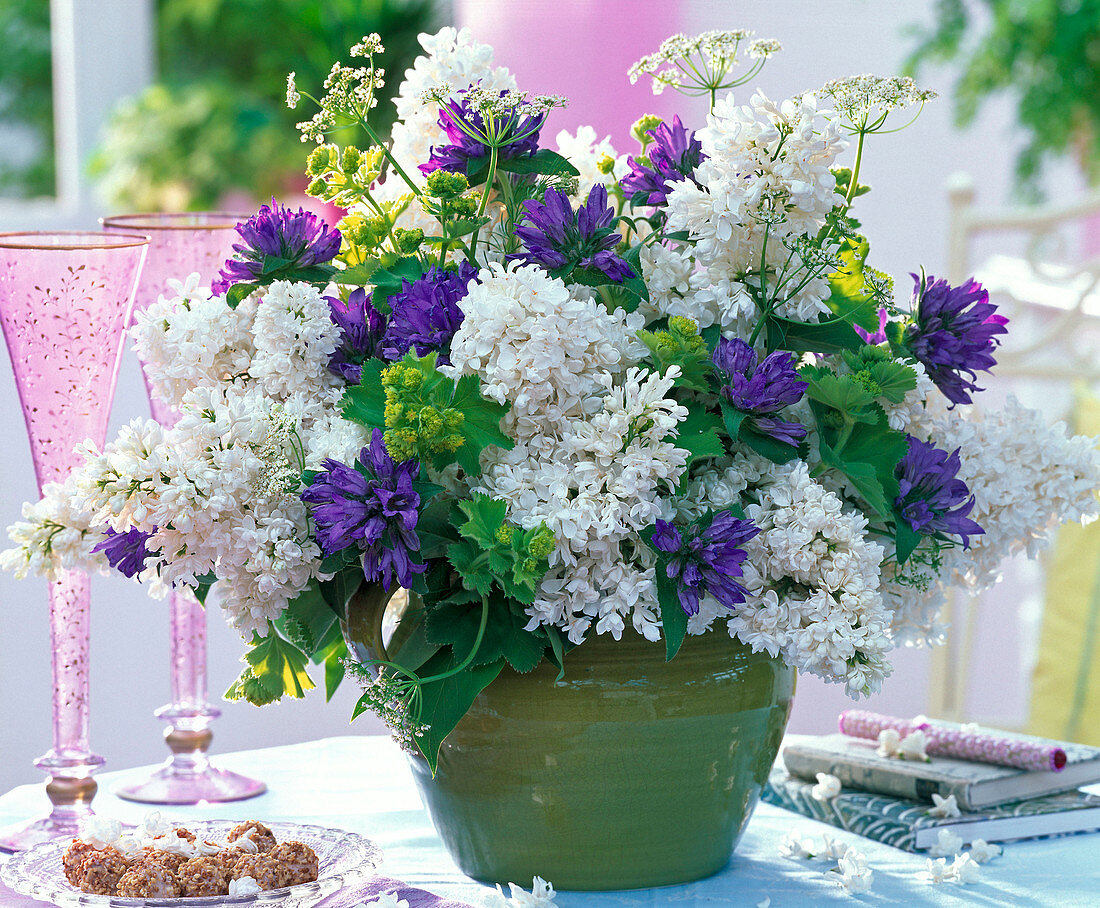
(157, 860)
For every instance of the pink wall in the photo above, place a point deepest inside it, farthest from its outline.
(582, 49)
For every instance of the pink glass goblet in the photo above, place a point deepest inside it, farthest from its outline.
(65, 301)
(180, 244)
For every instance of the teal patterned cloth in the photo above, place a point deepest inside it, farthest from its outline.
(362, 784)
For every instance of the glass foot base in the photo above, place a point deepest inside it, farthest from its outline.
(170, 785)
(22, 836)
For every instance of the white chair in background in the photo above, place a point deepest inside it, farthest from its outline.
(1050, 289)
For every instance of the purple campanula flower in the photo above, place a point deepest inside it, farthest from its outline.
(561, 239)
(426, 313)
(281, 241)
(372, 505)
(954, 333)
(125, 552)
(466, 127)
(709, 562)
(932, 498)
(761, 389)
(673, 157)
(362, 328)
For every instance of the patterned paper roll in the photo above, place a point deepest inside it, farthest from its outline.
(961, 742)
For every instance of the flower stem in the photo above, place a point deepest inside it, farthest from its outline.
(398, 169)
(489, 178)
(473, 649)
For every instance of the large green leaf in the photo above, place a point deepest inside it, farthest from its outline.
(831, 336)
(673, 617)
(279, 666)
(445, 702)
(365, 403)
(698, 435)
(481, 425)
(544, 161)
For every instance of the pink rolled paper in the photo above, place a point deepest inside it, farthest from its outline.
(956, 741)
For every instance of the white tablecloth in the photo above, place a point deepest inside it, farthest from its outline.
(363, 784)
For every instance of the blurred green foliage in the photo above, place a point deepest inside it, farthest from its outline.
(217, 120)
(1046, 53)
(26, 108)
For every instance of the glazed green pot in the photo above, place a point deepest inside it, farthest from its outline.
(630, 772)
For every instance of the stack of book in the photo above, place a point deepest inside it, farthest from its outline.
(888, 799)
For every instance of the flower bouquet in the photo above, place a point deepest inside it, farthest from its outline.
(565, 396)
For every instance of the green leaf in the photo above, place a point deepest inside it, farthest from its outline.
(865, 478)
(698, 435)
(774, 450)
(481, 425)
(895, 379)
(334, 675)
(236, 294)
(732, 419)
(843, 393)
(807, 337)
(673, 617)
(357, 275)
(279, 665)
(390, 279)
(445, 702)
(365, 403)
(544, 161)
(906, 537)
(476, 576)
(557, 649)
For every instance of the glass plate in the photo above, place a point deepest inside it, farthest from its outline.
(345, 859)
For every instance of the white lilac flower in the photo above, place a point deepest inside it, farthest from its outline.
(541, 347)
(948, 844)
(913, 747)
(56, 534)
(190, 339)
(597, 488)
(946, 808)
(766, 180)
(831, 620)
(935, 871)
(794, 845)
(833, 849)
(542, 895)
(294, 338)
(854, 874)
(827, 787)
(964, 869)
(888, 742)
(983, 851)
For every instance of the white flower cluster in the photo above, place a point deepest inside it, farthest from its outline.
(591, 458)
(218, 490)
(765, 183)
(812, 573)
(1026, 477)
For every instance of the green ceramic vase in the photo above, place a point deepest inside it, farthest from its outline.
(630, 772)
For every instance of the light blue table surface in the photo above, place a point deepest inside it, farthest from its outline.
(363, 784)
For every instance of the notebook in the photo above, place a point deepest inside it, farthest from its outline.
(906, 824)
(975, 785)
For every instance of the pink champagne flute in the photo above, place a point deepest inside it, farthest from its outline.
(180, 244)
(65, 301)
